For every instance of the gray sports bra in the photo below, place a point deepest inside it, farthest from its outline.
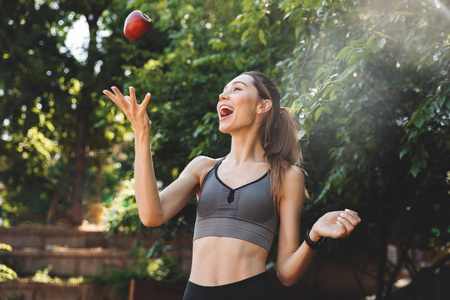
(246, 213)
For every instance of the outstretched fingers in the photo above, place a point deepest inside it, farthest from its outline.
(134, 112)
(146, 100)
(110, 96)
(132, 98)
(118, 98)
(115, 96)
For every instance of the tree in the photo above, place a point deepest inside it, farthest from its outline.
(52, 112)
(384, 84)
(29, 96)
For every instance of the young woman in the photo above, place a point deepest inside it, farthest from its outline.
(243, 198)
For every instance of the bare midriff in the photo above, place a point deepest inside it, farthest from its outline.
(223, 260)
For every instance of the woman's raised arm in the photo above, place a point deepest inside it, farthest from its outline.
(154, 208)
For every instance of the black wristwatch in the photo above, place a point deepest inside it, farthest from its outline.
(313, 245)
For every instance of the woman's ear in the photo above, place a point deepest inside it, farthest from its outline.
(266, 105)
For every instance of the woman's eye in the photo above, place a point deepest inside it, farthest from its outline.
(237, 89)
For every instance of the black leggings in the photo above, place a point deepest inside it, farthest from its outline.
(258, 287)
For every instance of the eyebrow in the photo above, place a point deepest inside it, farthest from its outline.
(235, 83)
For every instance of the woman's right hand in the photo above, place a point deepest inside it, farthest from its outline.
(135, 113)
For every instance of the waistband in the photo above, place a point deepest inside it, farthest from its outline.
(236, 284)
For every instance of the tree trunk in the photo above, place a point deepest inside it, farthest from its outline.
(84, 111)
(56, 197)
(81, 145)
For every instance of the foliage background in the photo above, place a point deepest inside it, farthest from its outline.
(367, 81)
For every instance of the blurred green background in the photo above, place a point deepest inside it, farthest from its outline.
(367, 80)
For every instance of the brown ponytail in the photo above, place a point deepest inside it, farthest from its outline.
(278, 134)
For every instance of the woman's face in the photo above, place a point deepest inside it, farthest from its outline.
(238, 104)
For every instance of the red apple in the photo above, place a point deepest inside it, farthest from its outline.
(137, 25)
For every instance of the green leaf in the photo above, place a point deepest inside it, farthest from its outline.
(419, 121)
(99, 123)
(358, 43)
(415, 115)
(384, 35)
(332, 94)
(287, 15)
(363, 64)
(412, 135)
(404, 151)
(327, 111)
(441, 101)
(245, 34)
(343, 52)
(327, 90)
(324, 70)
(415, 168)
(381, 43)
(347, 72)
(375, 48)
(378, 45)
(403, 13)
(262, 37)
(197, 131)
(307, 3)
(318, 113)
(301, 133)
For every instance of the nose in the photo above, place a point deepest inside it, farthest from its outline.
(224, 96)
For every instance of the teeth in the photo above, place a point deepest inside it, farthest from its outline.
(226, 110)
(227, 107)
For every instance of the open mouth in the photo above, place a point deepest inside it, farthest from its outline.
(225, 111)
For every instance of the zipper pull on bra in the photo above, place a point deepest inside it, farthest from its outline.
(230, 198)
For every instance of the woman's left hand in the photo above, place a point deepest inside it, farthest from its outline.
(335, 224)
